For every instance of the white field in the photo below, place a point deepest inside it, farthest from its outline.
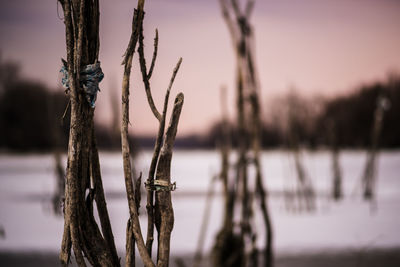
(27, 183)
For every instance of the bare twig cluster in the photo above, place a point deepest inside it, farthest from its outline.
(238, 246)
(90, 243)
(160, 211)
(83, 179)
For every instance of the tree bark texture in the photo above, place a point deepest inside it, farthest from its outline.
(83, 178)
(160, 214)
(133, 229)
(164, 214)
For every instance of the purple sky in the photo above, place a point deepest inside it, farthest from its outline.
(319, 46)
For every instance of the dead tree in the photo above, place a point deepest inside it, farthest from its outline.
(305, 190)
(337, 191)
(369, 176)
(249, 146)
(82, 73)
(59, 193)
(198, 256)
(160, 211)
(59, 170)
(224, 147)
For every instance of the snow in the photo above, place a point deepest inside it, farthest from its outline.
(27, 183)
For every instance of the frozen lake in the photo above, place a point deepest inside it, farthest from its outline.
(27, 183)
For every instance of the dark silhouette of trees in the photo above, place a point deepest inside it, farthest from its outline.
(353, 115)
(348, 118)
(34, 117)
(28, 113)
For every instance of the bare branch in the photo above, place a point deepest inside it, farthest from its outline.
(134, 217)
(101, 202)
(157, 148)
(146, 81)
(133, 40)
(78, 53)
(81, 231)
(236, 8)
(229, 22)
(66, 244)
(130, 240)
(249, 8)
(174, 75)
(153, 61)
(129, 246)
(138, 195)
(164, 213)
(198, 257)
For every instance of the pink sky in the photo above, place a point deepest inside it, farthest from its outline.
(319, 46)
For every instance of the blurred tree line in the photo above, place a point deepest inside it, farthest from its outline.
(353, 115)
(31, 118)
(349, 118)
(32, 115)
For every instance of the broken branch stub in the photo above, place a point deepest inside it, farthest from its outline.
(164, 214)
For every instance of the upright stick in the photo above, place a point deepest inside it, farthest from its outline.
(83, 178)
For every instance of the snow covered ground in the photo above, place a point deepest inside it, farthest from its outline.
(27, 183)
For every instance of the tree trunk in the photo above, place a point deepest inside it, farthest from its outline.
(83, 182)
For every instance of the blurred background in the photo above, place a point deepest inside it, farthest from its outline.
(329, 73)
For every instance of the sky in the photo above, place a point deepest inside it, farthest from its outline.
(321, 47)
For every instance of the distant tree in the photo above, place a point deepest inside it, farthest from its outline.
(28, 112)
(353, 115)
(238, 247)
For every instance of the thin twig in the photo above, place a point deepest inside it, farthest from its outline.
(153, 60)
(154, 161)
(229, 22)
(204, 224)
(249, 8)
(134, 217)
(143, 69)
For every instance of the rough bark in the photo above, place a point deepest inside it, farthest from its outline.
(83, 180)
(164, 214)
(130, 191)
(146, 75)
